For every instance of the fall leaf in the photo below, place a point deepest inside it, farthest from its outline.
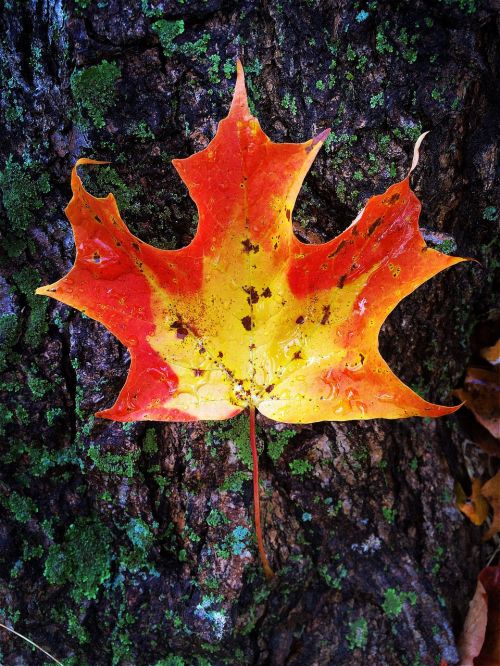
(481, 394)
(246, 314)
(479, 644)
(492, 354)
(474, 507)
(491, 491)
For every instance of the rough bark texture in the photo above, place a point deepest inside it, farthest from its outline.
(133, 545)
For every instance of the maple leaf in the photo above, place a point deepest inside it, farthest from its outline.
(246, 314)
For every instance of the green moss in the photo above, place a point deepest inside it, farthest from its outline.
(150, 12)
(105, 179)
(94, 89)
(112, 463)
(198, 48)
(289, 103)
(167, 31)
(381, 44)
(299, 466)
(21, 506)
(408, 132)
(139, 533)
(490, 214)
(234, 482)
(468, 6)
(358, 634)
(76, 629)
(216, 518)
(377, 100)
(394, 601)
(237, 431)
(229, 68)
(22, 196)
(389, 514)
(141, 538)
(52, 414)
(143, 132)
(150, 443)
(38, 386)
(9, 331)
(213, 70)
(81, 5)
(238, 539)
(83, 560)
(171, 660)
(279, 439)
(334, 581)
(26, 281)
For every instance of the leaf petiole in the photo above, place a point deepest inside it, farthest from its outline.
(256, 498)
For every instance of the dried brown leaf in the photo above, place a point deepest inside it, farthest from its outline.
(491, 491)
(479, 644)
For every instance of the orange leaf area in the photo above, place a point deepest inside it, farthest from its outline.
(246, 314)
(479, 643)
(474, 507)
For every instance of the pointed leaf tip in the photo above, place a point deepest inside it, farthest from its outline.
(416, 153)
(239, 105)
(319, 139)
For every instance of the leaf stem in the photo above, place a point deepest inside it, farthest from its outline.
(256, 498)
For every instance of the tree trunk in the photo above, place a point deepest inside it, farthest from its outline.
(133, 544)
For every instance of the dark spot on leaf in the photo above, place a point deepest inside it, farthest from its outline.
(136, 246)
(297, 355)
(326, 315)
(198, 372)
(337, 249)
(253, 296)
(181, 330)
(269, 388)
(287, 213)
(247, 323)
(249, 247)
(266, 293)
(96, 257)
(97, 219)
(341, 281)
(392, 199)
(373, 226)
(361, 358)
(220, 355)
(300, 320)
